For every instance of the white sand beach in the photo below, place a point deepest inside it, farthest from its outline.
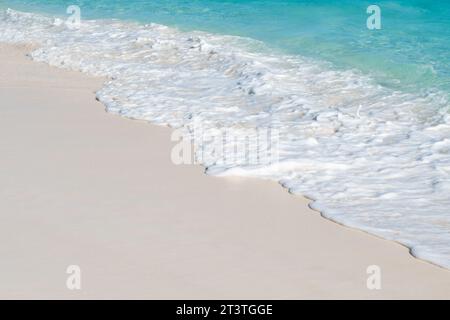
(79, 186)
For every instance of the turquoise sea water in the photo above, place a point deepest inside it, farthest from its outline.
(412, 51)
(362, 115)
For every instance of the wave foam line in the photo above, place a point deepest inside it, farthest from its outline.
(370, 157)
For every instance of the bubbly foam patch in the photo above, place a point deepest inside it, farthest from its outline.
(370, 157)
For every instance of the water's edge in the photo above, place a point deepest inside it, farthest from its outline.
(125, 106)
(285, 189)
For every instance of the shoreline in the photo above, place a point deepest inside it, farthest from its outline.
(270, 244)
(318, 159)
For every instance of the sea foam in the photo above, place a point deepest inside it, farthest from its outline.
(369, 157)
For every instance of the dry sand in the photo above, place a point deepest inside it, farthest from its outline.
(82, 187)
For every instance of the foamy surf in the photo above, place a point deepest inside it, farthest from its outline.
(370, 157)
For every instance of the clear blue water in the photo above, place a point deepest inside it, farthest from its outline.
(411, 52)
